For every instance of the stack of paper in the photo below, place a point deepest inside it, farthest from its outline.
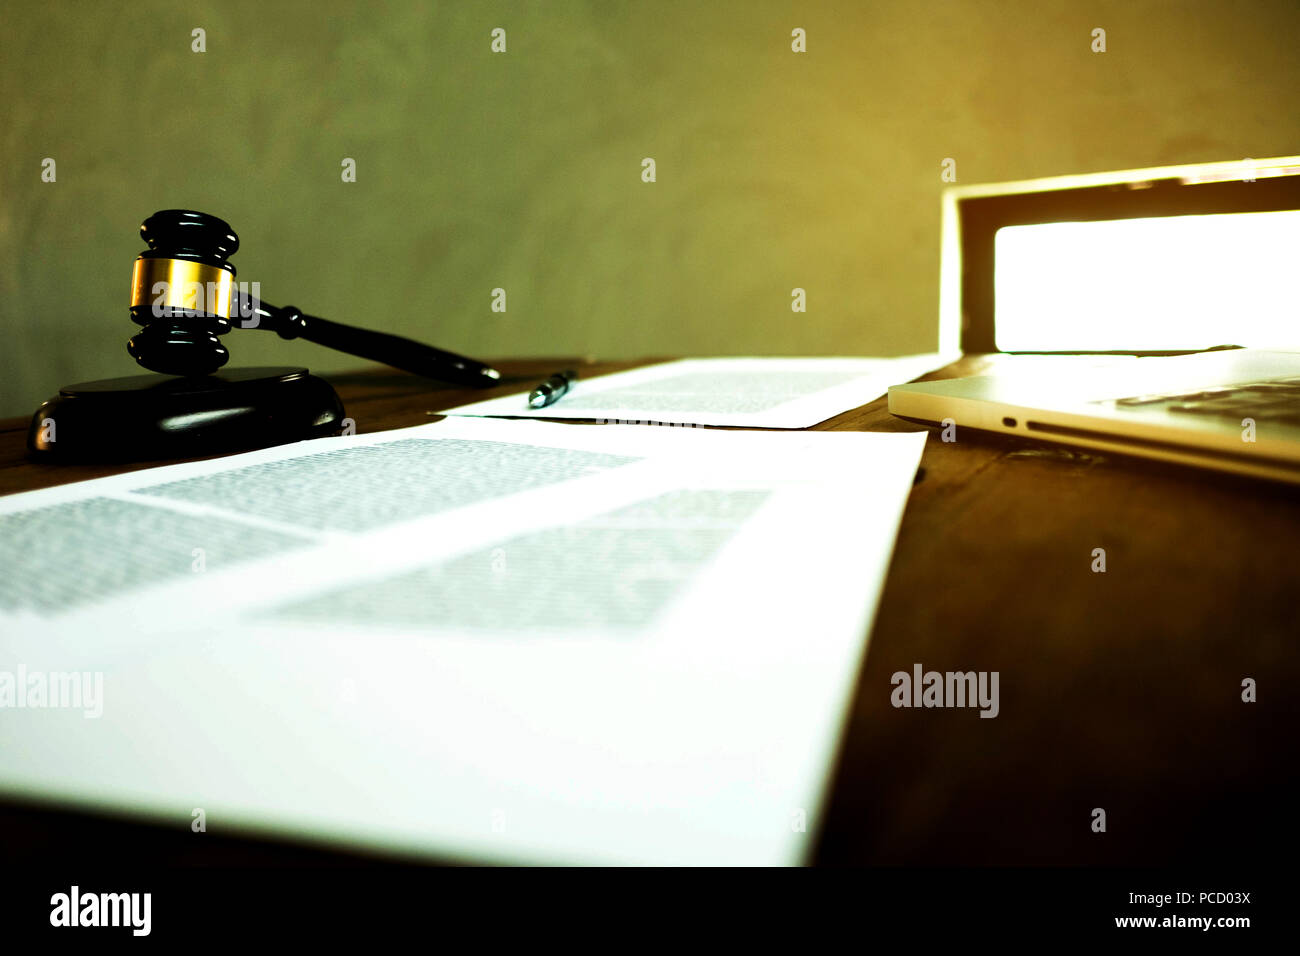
(750, 392)
(480, 639)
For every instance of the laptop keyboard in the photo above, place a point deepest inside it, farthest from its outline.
(1277, 401)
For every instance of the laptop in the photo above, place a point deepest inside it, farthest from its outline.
(1150, 312)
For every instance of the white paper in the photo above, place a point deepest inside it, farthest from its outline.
(751, 392)
(510, 641)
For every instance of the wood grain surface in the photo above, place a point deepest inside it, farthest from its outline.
(1119, 690)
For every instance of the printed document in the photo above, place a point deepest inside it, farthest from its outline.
(475, 640)
(748, 392)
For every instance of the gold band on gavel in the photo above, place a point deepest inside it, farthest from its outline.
(182, 284)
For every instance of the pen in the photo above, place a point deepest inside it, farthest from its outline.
(550, 390)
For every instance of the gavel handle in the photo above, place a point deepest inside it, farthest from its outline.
(406, 354)
(394, 350)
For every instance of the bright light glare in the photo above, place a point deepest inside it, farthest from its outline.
(1179, 282)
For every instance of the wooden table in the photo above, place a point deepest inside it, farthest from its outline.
(1120, 690)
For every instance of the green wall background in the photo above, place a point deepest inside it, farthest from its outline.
(523, 170)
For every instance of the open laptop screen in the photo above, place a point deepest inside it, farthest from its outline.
(1166, 260)
(1176, 282)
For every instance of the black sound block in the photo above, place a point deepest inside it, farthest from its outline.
(153, 417)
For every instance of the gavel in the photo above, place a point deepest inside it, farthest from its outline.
(184, 295)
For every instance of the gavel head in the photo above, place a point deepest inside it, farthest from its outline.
(182, 289)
